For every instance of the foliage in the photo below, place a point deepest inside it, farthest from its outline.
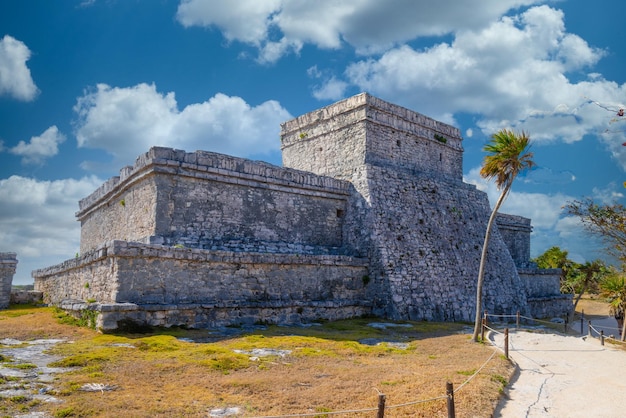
(508, 155)
(85, 318)
(575, 278)
(614, 289)
(553, 258)
(441, 139)
(556, 258)
(607, 222)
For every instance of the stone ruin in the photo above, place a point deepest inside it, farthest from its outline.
(8, 264)
(369, 215)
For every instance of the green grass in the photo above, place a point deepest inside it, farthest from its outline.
(22, 366)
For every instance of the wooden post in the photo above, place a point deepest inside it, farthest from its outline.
(582, 319)
(602, 337)
(589, 329)
(450, 395)
(485, 316)
(381, 405)
(506, 343)
(565, 325)
(517, 317)
(482, 330)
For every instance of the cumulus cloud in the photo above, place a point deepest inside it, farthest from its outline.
(330, 88)
(39, 147)
(370, 26)
(608, 195)
(551, 226)
(38, 220)
(126, 122)
(15, 78)
(504, 71)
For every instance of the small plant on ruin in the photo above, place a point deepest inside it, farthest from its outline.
(441, 139)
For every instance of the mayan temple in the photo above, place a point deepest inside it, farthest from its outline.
(368, 215)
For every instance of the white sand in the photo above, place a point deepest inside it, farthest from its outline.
(563, 376)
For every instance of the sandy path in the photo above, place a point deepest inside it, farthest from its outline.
(563, 376)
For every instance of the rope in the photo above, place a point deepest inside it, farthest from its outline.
(538, 320)
(317, 414)
(503, 316)
(592, 328)
(492, 329)
(417, 402)
(354, 411)
(476, 372)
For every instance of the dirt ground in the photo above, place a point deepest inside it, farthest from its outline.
(177, 373)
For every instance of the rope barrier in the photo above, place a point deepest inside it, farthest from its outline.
(592, 328)
(317, 414)
(411, 403)
(476, 372)
(492, 329)
(459, 388)
(503, 316)
(417, 402)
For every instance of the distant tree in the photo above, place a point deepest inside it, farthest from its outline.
(614, 289)
(588, 276)
(607, 222)
(556, 258)
(508, 156)
(552, 258)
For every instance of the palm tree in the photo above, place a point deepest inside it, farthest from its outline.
(508, 155)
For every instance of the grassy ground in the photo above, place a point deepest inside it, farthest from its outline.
(320, 369)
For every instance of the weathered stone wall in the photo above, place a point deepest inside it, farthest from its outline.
(336, 140)
(209, 283)
(515, 230)
(8, 264)
(369, 215)
(544, 296)
(427, 245)
(421, 226)
(209, 200)
(26, 296)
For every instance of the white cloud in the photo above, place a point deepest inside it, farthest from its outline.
(244, 20)
(512, 73)
(551, 226)
(331, 87)
(38, 220)
(40, 147)
(370, 26)
(126, 122)
(609, 194)
(15, 78)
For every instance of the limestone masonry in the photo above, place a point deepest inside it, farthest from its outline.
(8, 264)
(369, 215)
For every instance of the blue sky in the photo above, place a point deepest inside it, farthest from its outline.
(86, 86)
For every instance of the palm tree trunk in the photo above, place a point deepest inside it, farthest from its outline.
(580, 295)
(481, 268)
